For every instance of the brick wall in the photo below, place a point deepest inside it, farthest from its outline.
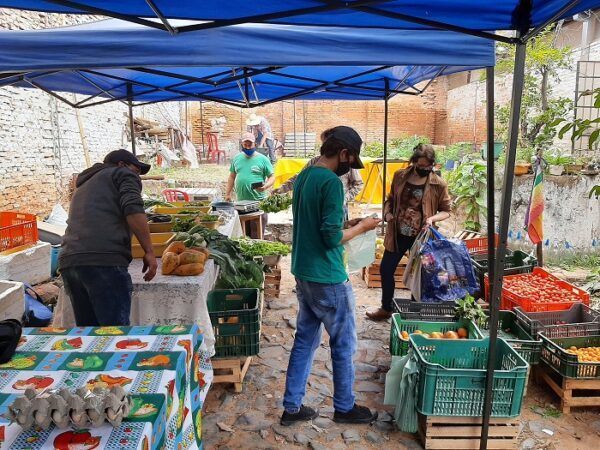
(408, 115)
(40, 140)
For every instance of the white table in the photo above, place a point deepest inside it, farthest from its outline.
(166, 300)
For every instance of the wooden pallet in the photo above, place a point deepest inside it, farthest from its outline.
(273, 283)
(231, 371)
(465, 432)
(573, 392)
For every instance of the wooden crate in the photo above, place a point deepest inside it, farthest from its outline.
(573, 392)
(273, 283)
(373, 278)
(231, 371)
(464, 433)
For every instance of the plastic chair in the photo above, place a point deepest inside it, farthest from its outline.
(175, 195)
(214, 152)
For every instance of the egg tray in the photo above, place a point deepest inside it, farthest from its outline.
(63, 408)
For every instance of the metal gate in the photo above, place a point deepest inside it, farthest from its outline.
(588, 80)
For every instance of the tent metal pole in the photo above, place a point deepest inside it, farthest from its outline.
(567, 6)
(385, 151)
(131, 125)
(498, 271)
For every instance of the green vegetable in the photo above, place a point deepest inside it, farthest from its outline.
(189, 211)
(197, 204)
(209, 218)
(185, 224)
(275, 203)
(252, 248)
(150, 202)
(469, 309)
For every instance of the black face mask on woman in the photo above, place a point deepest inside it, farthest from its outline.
(422, 172)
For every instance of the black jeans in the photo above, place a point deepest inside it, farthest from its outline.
(388, 267)
(101, 296)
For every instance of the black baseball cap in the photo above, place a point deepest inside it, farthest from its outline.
(115, 157)
(352, 140)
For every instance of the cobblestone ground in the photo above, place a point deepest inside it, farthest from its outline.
(250, 420)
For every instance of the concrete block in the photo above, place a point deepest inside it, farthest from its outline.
(31, 265)
(12, 302)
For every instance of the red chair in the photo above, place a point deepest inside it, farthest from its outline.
(214, 152)
(175, 195)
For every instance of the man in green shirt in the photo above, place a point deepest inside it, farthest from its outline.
(248, 168)
(252, 175)
(325, 296)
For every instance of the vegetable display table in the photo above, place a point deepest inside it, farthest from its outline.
(165, 368)
(166, 300)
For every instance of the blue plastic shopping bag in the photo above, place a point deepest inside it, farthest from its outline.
(446, 270)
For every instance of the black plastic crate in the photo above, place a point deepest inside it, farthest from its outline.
(434, 312)
(578, 320)
(512, 332)
(235, 317)
(557, 355)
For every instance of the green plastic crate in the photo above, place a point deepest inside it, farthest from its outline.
(399, 346)
(512, 332)
(555, 355)
(235, 317)
(579, 320)
(452, 377)
(513, 264)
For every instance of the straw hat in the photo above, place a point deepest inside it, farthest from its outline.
(253, 120)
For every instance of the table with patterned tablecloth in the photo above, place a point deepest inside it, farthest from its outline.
(166, 369)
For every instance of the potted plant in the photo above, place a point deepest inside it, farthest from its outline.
(523, 164)
(556, 163)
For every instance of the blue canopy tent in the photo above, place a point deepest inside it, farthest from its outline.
(467, 16)
(114, 60)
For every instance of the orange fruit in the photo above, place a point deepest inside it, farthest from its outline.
(451, 335)
(426, 335)
(437, 335)
(462, 333)
(417, 332)
(404, 335)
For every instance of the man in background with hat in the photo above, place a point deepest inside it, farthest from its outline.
(106, 208)
(325, 296)
(260, 127)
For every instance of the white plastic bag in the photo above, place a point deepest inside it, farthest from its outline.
(58, 216)
(189, 153)
(360, 251)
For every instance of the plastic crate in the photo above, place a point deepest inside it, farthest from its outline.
(235, 317)
(555, 355)
(578, 320)
(17, 229)
(479, 244)
(434, 312)
(452, 377)
(512, 332)
(510, 300)
(515, 263)
(399, 346)
(160, 242)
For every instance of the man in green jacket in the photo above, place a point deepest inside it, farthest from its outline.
(325, 295)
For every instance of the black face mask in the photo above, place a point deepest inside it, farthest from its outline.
(422, 172)
(343, 168)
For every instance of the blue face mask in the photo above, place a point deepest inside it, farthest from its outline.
(249, 151)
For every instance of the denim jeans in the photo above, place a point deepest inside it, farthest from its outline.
(387, 270)
(331, 305)
(101, 296)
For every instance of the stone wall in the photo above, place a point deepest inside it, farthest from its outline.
(571, 218)
(40, 139)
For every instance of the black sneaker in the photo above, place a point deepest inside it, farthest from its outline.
(358, 414)
(303, 415)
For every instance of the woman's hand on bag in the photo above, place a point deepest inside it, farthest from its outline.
(428, 223)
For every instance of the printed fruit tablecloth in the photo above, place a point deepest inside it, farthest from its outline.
(166, 369)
